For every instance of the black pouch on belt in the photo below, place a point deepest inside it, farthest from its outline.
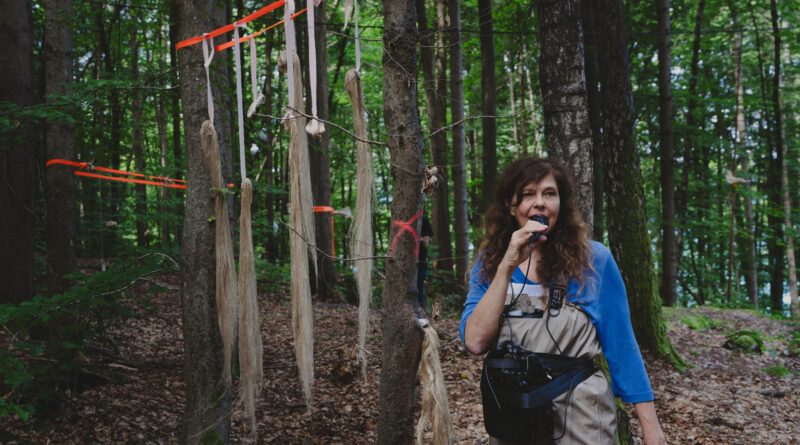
(517, 388)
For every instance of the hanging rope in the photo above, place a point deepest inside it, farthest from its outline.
(226, 272)
(362, 226)
(315, 127)
(435, 407)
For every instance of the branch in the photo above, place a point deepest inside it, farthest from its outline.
(308, 116)
(325, 253)
(472, 118)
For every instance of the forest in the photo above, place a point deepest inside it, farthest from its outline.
(153, 151)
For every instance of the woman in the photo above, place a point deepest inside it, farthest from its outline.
(520, 258)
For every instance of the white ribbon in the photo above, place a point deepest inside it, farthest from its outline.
(288, 27)
(237, 53)
(208, 55)
(315, 127)
(258, 98)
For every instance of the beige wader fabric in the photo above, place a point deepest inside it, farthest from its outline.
(591, 414)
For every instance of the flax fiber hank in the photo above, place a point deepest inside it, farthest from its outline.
(435, 407)
(250, 347)
(361, 232)
(301, 220)
(226, 271)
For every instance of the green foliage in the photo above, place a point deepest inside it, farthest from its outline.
(777, 371)
(746, 340)
(49, 332)
(699, 322)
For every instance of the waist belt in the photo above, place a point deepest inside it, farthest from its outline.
(571, 372)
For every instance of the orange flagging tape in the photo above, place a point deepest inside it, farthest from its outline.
(328, 209)
(228, 28)
(158, 180)
(227, 45)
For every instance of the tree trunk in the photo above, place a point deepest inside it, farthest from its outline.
(142, 232)
(319, 158)
(439, 147)
(513, 100)
(669, 242)
(60, 136)
(523, 130)
(402, 337)
(177, 147)
(271, 245)
(488, 104)
(17, 157)
(208, 401)
(627, 222)
(537, 143)
(776, 251)
(595, 116)
(567, 132)
(459, 149)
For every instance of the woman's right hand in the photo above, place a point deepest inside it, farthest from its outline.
(519, 247)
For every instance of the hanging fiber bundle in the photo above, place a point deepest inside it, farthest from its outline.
(226, 271)
(302, 223)
(435, 407)
(361, 233)
(250, 346)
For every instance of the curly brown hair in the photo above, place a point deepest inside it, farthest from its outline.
(566, 252)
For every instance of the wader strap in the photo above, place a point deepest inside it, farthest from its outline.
(546, 393)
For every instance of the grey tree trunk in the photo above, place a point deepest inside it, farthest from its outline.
(17, 170)
(776, 250)
(459, 138)
(627, 222)
(208, 401)
(567, 133)
(669, 241)
(402, 337)
(142, 234)
(319, 157)
(60, 136)
(488, 103)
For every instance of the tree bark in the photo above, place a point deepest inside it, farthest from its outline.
(17, 156)
(319, 157)
(459, 150)
(488, 103)
(142, 232)
(627, 222)
(566, 120)
(595, 116)
(402, 337)
(60, 136)
(439, 147)
(776, 251)
(513, 100)
(669, 242)
(208, 401)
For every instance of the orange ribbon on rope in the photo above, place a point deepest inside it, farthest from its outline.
(328, 209)
(228, 28)
(153, 180)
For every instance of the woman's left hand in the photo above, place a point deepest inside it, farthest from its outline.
(651, 429)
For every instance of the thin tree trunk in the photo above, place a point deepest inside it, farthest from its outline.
(270, 246)
(208, 401)
(459, 150)
(523, 131)
(488, 103)
(776, 169)
(537, 143)
(142, 232)
(669, 242)
(439, 147)
(177, 147)
(513, 101)
(17, 157)
(161, 123)
(319, 158)
(60, 136)
(595, 116)
(561, 75)
(401, 335)
(627, 221)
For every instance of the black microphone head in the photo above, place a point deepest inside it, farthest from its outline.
(541, 219)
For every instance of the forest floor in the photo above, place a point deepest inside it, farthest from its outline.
(725, 397)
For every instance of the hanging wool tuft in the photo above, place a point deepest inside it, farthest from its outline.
(250, 346)
(315, 127)
(226, 271)
(361, 232)
(302, 239)
(435, 407)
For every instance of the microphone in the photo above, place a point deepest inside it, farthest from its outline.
(541, 219)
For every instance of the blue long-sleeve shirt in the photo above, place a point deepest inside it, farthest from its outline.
(605, 301)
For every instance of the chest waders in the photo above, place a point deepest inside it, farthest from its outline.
(527, 396)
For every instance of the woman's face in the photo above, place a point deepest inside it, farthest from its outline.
(538, 198)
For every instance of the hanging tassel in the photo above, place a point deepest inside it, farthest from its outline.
(361, 233)
(435, 407)
(315, 127)
(226, 272)
(301, 220)
(250, 347)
